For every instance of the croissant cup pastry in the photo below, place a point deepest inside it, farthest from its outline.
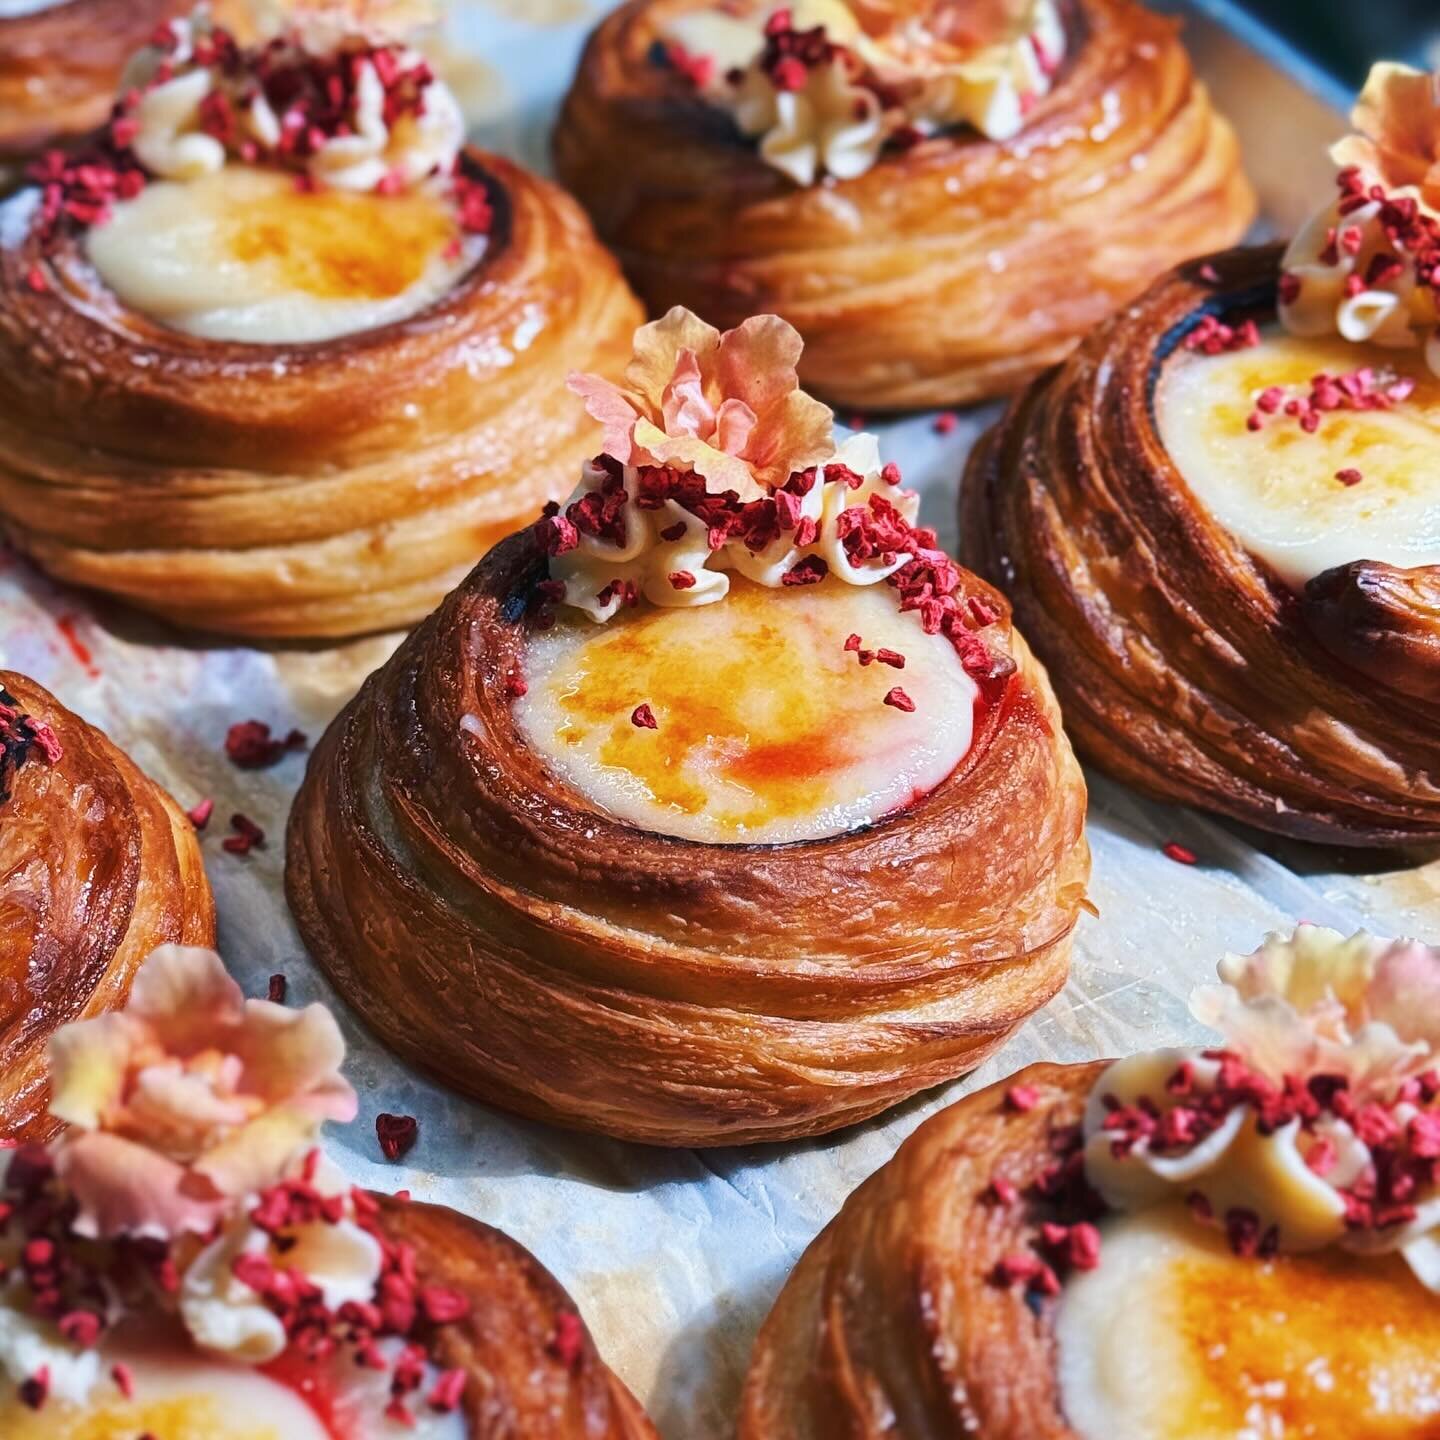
(281, 381)
(189, 1262)
(942, 198)
(1189, 1244)
(1211, 526)
(98, 866)
(60, 66)
(676, 822)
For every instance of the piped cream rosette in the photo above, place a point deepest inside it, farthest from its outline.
(1366, 265)
(1314, 1125)
(172, 140)
(725, 407)
(833, 113)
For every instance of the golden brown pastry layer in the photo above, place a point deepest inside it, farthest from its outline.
(892, 1323)
(1184, 667)
(60, 69)
(500, 932)
(98, 867)
(303, 490)
(533, 1368)
(949, 272)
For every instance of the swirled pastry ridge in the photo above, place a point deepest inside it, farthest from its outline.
(301, 490)
(1184, 666)
(524, 946)
(949, 271)
(98, 867)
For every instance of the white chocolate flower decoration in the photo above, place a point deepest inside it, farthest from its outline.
(189, 1099)
(1363, 267)
(715, 460)
(1314, 1125)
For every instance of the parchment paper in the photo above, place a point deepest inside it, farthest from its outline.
(675, 1257)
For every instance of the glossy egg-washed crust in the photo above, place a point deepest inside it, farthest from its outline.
(302, 490)
(60, 69)
(501, 932)
(892, 1323)
(98, 866)
(949, 272)
(1184, 666)
(520, 1381)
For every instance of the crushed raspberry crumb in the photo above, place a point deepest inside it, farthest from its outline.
(1022, 1098)
(897, 699)
(124, 1379)
(1180, 854)
(397, 1134)
(250, 746)
(248, 836)
(946, 422)
(1212, 336)
(567, 1343)
(200, 812)
(893, 658)
(1349, 476)
(35, 1390)
(35, 279)
(277, 989)
(682, 580)
(643, 718)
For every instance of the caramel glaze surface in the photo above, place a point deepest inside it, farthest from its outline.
(523, 946)
(302, 490)
(521, 1382)
(98, 867)
(892, 1322)
(948, 272)
(1183, 665)
(60, 69)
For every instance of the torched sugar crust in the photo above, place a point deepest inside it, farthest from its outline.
(245, 254)
(176, 1394)
(1275, 487)
(767, 729)
(1175, 1338)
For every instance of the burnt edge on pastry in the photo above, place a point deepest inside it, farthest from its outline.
(436, 868)
(1184, 667)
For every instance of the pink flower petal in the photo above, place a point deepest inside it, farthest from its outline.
(683, 402)
(608, 404)
(125, 1188)
(184, 995)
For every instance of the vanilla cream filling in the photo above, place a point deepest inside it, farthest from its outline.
(177, 1394)
(242, 254)
(768, 729)
(1172, 1337)
(1276, 488)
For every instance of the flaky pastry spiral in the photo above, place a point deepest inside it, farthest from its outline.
(1184, 666)
(949, 271)
(60, 68)
(318, 489)
(891, 1324)
(521, 944)
(532, 1366)
(98, 867)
